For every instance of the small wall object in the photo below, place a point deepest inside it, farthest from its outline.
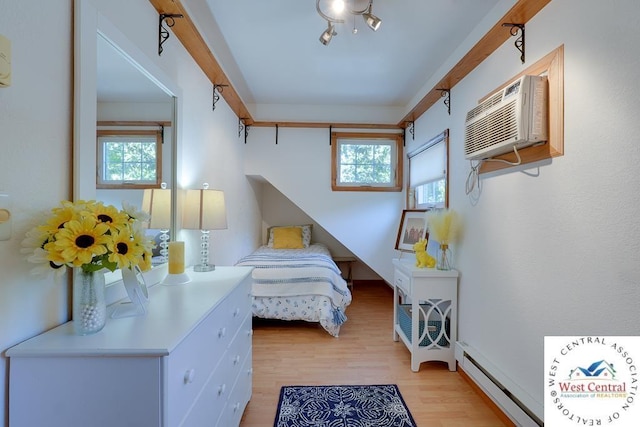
(5, 61)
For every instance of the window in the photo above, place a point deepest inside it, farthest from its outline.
(366, 161)
(129, 159)
(428, 176)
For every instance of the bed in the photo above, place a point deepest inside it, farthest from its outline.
(301, 283)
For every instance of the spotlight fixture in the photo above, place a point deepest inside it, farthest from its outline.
(328, 34)
(339, 9)
(372, 21)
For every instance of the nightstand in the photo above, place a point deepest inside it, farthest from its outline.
(425, 312)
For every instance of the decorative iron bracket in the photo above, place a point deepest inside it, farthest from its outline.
(242, 125)
(519, 43)
(163, 33)
(217, 90)
(446, 94)
(411, 127)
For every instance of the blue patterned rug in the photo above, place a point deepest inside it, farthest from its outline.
(342, 406)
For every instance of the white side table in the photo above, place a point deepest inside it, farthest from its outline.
(425, 312)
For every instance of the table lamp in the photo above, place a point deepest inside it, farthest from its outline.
(204, 210)
(157, 203)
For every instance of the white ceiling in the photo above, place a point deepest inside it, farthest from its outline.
(270, 52)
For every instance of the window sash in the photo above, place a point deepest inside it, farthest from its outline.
(364, 161)
(145, 165)
(361, 156)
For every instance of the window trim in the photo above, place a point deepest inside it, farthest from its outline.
(129, 133)
(393, 138)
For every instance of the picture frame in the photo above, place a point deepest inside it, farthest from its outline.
(413, 227)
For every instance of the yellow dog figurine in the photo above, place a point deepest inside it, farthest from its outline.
(423, 259)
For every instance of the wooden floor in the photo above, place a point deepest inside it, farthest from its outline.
(292, 353)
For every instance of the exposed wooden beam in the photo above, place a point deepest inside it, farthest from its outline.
(520, 13)
(186, 31)
(133, 123)
(327, 125)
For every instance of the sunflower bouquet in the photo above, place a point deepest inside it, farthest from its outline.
(89, 235)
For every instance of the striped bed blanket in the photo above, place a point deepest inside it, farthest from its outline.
(298, 278)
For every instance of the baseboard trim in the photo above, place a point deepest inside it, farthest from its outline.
(495, 408)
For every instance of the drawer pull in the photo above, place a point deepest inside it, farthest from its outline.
(189, 376)
(236, 407)
(250, 332)
(236, 312)
(222, 332)
(236, 360)
(221, 389)
(250, 371)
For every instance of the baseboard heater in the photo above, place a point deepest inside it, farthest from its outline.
(523, 410)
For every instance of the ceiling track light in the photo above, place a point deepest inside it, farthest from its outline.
(339, 9)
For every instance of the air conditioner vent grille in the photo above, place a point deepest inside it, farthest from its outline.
(484, 106)
(492, 129)
(515, 116)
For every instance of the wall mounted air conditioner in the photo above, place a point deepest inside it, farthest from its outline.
(514, 116)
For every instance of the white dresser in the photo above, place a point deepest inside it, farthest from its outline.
(187, 362)
(425, 312)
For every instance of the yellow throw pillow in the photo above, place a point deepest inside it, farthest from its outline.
(287, 238)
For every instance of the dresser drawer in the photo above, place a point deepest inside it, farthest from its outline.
(402, 281)
(239, 396)
(237, 306)
(194, 360)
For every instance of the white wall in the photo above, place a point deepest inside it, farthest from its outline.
(35, 161)
(552, 248)
(277, 209)
(299, 166)
(36, 142)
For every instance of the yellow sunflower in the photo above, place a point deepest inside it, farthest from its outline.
(147, 245)
(60, 217)
(124, 250)
(80, 240)
(110, 215)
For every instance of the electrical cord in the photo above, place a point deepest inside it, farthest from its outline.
(473, 178)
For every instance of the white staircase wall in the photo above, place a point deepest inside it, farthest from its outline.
(299, 166)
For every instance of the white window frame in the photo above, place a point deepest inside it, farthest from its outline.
(420, 182)
(338, 139)
(105, 136)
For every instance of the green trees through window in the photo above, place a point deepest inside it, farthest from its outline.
(366, 161)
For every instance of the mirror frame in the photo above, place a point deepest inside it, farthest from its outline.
(88, 24)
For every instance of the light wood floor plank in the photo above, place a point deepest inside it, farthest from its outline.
(293, 353)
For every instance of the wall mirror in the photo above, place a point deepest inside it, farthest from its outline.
(117, 86)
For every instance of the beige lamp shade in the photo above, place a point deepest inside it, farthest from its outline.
(204, 210)
(157, 203)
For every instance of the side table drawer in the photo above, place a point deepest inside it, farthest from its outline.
(402, 281)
